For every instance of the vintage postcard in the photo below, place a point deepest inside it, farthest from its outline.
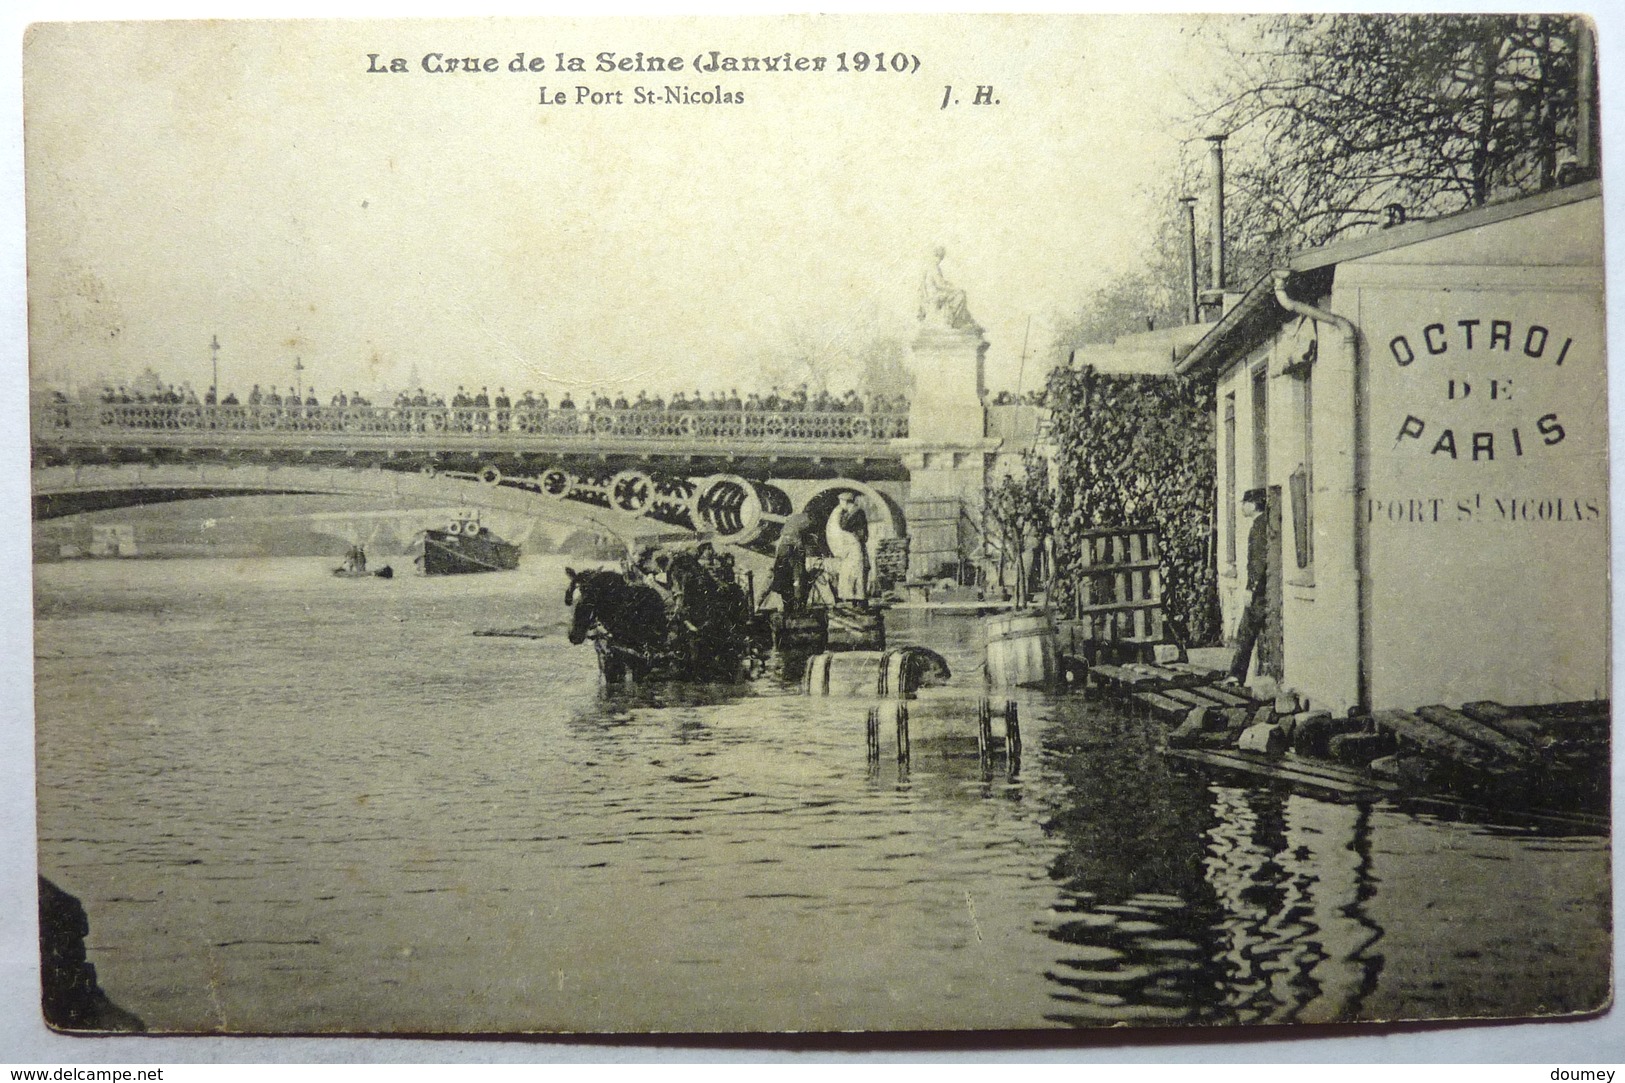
(814, 524)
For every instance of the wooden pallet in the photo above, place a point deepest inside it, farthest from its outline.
(1122, 682)
(1118, 612)
(1417, 731)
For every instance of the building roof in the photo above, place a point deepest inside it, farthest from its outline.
(1258, 315)
(1143, 353)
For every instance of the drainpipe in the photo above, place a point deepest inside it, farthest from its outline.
(1348, 478)
(1585, 135)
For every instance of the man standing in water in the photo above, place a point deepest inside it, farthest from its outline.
(1252, 614)
(848, 538)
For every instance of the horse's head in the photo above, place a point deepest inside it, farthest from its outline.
(582, 594)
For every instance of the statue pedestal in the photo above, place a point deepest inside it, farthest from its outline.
(947, 450)
(948, 365)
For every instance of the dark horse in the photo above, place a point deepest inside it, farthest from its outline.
(627, 621)
(701, 631)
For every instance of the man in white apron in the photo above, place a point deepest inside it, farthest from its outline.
(847, 535)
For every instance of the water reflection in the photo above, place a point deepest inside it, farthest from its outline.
(1135, 908)
(1290, 876)
(1184, 901)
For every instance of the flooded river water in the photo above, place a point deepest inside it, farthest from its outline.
(291, 803)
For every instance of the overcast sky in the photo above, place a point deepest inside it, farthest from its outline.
(254, 181)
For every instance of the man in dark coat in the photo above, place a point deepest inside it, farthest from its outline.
(789, 578)
(1252, 614)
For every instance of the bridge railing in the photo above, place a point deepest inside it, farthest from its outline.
(123, 421)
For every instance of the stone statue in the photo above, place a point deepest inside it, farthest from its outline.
(942, 304)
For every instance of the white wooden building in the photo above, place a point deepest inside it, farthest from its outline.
(1428, 408)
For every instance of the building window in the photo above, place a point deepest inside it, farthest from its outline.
(1229, 501)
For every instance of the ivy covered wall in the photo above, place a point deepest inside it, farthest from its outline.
(1135, 450)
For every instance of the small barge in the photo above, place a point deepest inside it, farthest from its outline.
(465, 547)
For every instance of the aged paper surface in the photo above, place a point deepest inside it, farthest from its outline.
(871, 472)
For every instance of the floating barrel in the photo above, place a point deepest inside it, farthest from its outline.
(946, 726)
(894, 673)
(739, 510)
(1021, 649)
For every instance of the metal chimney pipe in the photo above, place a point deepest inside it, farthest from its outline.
(1585, 131)
(1193, 312)
(1217, 210)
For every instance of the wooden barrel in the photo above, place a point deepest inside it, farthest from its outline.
(888, 674)
(1021, 649)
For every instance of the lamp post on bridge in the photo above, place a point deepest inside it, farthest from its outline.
(298, 382)
(214, 365)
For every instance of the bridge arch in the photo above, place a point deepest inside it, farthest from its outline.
(69, 490)
(729, 508)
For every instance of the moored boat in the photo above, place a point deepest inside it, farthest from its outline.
(466, 547)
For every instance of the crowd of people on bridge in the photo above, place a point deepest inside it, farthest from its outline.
(470, 411)
(798, 400)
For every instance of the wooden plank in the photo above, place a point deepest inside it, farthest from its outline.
(1439, 742)
(1162, 706)
(1509, 722)
(1462, 726)
(1170, 677)
(1113, 531)
(1101, 568)
(524, 631)
(1116, 607)
(1330, 770)
(1201, 671)
(1192, 697)
(1113, 673)
(1273, 767)
(1219, 696)
(1129, 678)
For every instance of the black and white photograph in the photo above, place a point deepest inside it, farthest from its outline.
(804, 525)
